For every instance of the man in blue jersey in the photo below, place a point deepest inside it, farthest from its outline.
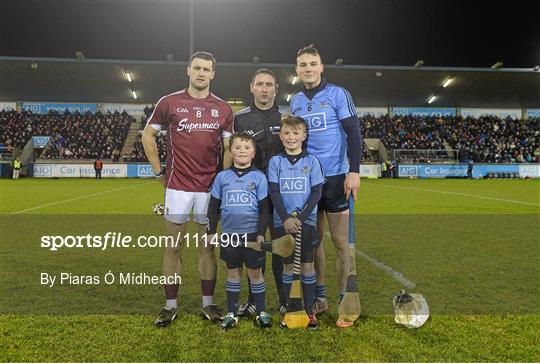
(240, 194)
(295, 181)
(334, 137)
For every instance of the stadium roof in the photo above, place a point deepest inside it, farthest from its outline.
(443, 33)
(95, 80)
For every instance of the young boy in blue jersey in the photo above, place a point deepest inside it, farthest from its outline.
(240, 194)
(295, 181)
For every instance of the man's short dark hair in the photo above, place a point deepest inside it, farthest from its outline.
(309, 49)
(264, 71)
(207, 56)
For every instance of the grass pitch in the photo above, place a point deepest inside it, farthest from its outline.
(470, 247)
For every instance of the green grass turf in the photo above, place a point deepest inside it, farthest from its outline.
(471, 248)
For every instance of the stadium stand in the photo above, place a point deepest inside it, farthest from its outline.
(483, 140)
(137, 154)
(405, 132)
(487, 139)
(15, 129)
(74, 136)
(494, 140)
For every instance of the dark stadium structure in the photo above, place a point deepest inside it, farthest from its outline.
(403, 138)
(99, 80)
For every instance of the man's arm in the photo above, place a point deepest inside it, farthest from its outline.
(151, 151)
(349, 121)
(226, 133)
(227, 160)
(351, 125)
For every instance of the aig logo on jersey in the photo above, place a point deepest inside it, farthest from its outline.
(238, 198)
(293, 185)
(316, 121)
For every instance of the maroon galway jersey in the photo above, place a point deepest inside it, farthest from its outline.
(194, 131)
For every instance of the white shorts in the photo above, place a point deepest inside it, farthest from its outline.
(179, 204)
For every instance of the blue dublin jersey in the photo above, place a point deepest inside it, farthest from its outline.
(326, 137)
(240, 193)
(295, 181)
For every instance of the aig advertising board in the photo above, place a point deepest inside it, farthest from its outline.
(460, 170)
(79, 170)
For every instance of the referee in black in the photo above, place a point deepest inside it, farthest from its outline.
(261, 121)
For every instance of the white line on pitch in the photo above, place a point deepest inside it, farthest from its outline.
(465, 195)
(75, 199)
(389, 270)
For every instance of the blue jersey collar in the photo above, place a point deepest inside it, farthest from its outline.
(240, 172)
(310, 94)
(294, 158)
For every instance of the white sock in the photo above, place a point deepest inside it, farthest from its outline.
(171, 304)
(207, 300)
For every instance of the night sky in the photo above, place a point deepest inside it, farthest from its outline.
(384, 32)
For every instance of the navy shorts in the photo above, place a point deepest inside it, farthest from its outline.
(333, 197)
(235, 254)
(310, 242)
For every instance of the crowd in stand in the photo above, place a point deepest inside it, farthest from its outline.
(137, 155)
(16, 129)
(74, 135)
(494, 140)
(405, 132)
(148, 110)
(487, 139)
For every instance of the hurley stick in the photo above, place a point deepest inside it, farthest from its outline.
(295, 316)
(283, 246)
(349, 308)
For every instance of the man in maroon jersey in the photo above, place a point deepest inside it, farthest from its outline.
(196, 122)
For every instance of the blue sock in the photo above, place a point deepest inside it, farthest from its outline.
(320, 292)
(233, 293)
(259, 290)
(287, 282)
(308, 290)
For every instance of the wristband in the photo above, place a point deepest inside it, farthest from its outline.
(161, 173)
